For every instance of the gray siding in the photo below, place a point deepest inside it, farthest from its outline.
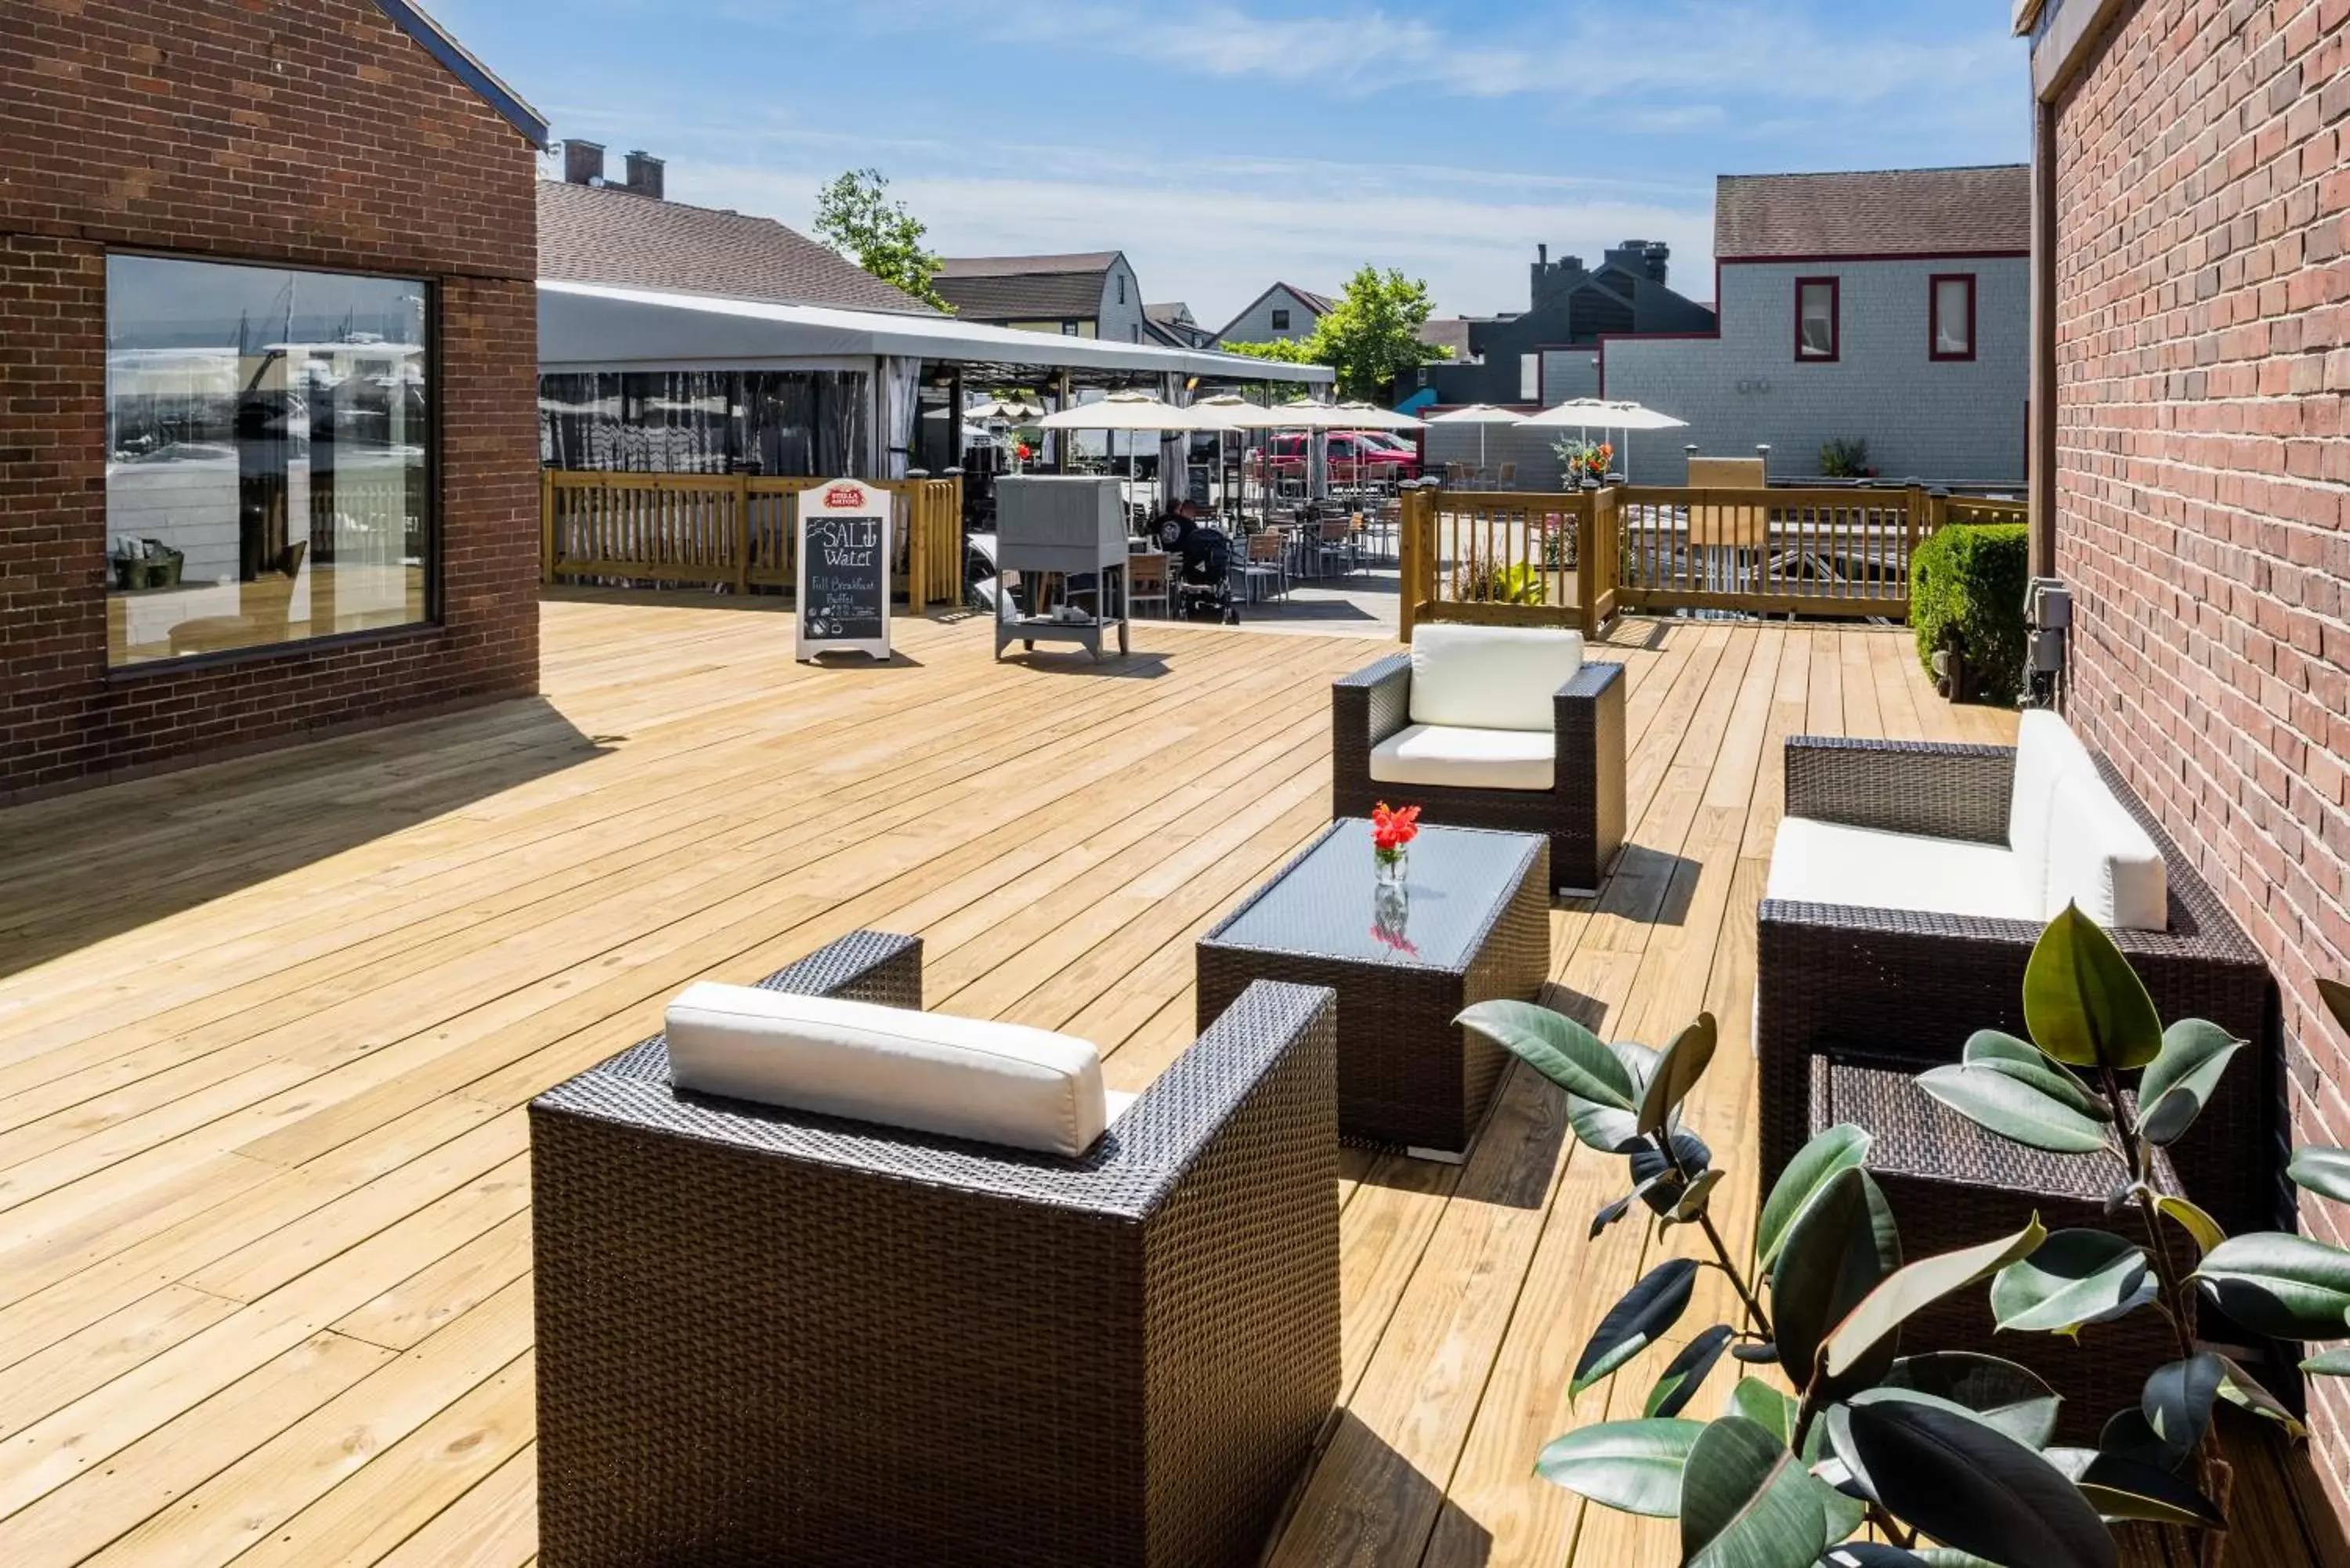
(1944, 421)
(1121, 321)
(1255, 325)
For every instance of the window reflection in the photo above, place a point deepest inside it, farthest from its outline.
(269, 473)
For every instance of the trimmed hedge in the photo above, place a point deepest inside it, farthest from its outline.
(1966, 592)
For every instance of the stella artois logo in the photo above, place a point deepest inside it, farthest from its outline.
(845, 498)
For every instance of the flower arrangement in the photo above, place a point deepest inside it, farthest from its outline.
(1393, 832)
(1582, 461)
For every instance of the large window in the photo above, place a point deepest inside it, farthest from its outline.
(1818, 330)
(268, 475)
(794, 422)
(1952, 328)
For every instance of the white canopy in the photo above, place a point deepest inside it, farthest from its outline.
(1596, 413)
(1369, 417)
(1478, 414)
(590, 325)
(1125, 411)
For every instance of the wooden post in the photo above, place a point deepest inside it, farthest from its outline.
(546, 526)
(742, 533)
(917, 527)
(1587, 562)
(1411, 554)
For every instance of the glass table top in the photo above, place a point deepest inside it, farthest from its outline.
(1329, 904)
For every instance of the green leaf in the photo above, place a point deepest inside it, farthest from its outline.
(1746, 1503)
(2013, 1109)
(1919, 1285)
(2179, 1083)
(2122, 1488)
(1610, 1215)
(1661, 1186)
(1815, 1166)
(2177, 1404)
(2010, 1397)
(1772, 1409)
(1872, 1554)
(2335, 1363)
(2072, 1280)
(1687, 1372)
(1605, 1128)
(1841, 1247)
(1648, 1309)
(2023, 1060)
(1692, 1202)
(2241, 1389)
(1557, 1047)
(2199, 1225)
(1972, 1487)
(1634, 1467)
(2084, 1003)
(2322, 1170)
(1684, 1063)
(2283, 1285)
(2128, 1434)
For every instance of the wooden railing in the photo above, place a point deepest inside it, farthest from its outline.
(739, 530)
(1581, 559)
(1803, 552)
(1504, 558)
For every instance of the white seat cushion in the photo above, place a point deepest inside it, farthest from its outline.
(1453, 758)
(1827, 862)
(962, 1077)
(2102, 859)
(1491, 677)
(2046, 749)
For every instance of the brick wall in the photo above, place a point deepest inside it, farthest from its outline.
(316, 135)
(2203, 486)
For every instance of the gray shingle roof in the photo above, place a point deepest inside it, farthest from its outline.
(607, 235)
(1891, 212)
(1025, 288)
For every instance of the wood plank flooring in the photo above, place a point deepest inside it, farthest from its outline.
(266, 1029)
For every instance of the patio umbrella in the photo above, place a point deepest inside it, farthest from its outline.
(1484, 416)
(1371, 417)
(1583, 414)
(1131, 411)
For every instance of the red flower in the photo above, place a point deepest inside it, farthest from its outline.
(1391, 830)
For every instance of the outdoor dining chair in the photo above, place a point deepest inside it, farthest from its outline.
(1265, 564)
(1055, 1330)
(1145, 576)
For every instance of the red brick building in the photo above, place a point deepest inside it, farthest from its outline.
(2193, 309)
(267, 371)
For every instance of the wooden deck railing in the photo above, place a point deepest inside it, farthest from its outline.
(1580, 559)
(739, 530)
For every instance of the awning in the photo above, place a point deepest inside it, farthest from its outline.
(594, 327)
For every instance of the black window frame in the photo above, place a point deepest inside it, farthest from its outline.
(433, 622)
(1281, 320)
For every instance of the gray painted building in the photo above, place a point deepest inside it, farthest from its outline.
(1281, 313)
(1092, 294)
(1915, 294)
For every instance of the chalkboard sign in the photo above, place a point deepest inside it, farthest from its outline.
(845, 560)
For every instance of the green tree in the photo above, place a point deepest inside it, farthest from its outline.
(854, 216)
(1370, 338)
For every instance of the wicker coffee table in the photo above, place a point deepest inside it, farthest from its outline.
(1472, 925)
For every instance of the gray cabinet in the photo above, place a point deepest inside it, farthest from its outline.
(1066, 538)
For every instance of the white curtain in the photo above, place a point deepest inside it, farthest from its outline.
(901, 400)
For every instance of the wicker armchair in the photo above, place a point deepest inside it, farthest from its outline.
(1906, 986)
(767, 1338)
(1582, 812)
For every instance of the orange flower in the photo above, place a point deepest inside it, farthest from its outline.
(1392, 829)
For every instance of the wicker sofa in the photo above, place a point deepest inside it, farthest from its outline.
(767, 1336)
(1534, 743)
(1908, 979)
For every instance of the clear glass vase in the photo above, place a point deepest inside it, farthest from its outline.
(1393, 865)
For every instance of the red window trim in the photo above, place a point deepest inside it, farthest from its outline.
(1836, 321)
(1934, 316)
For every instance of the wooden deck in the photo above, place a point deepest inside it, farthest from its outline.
(265, 1030)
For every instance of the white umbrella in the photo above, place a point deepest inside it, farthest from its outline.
(1370, 417)
(1123, 411)
(1583, 414)
(1484, 416)
(998, 411)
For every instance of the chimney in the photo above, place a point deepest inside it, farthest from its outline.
(583, 162)
(1542, 254)
(1658, 255)
(645, 174)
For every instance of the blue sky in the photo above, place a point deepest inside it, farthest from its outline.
(1224, 143)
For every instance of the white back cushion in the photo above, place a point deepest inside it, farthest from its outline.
(962, 1077)
(2100, 858)
(2046, 749)
(1491, 677)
